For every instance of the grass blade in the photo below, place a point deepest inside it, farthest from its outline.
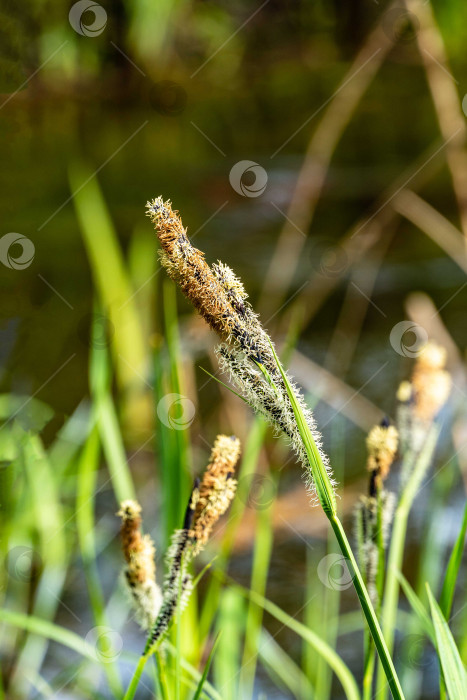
(452, 571)
(321, 478)
(417, 606)
(341, 670)
(282, 669)
(207, 666)
(110, 276)
(454, 673)
(327, 499)
(44, 628)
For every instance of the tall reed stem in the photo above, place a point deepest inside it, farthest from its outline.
(368, 609)
(396, 550)
(327, 499)
(138, 672)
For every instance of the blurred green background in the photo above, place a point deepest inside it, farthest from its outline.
(107, 107)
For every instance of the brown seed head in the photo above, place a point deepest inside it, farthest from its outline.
(430, 381)
(217, 488)
(404, 392)
(187, 266)
(138, 549)
(382, 447)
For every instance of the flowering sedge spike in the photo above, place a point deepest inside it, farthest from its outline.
(404, 415)
(216, 490)
(319, 468)
(431, 382)
(246, 352)
(140, 571)
(375, 511)
(373, 531)
(381, 442)
(177, 587)
(209, 499)
(421, 398)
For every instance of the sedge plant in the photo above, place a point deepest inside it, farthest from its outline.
(420, 401)
(157, 608)
(247, 353)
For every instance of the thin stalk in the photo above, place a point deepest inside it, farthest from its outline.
(369, 668)
(327, 499)
(261, 559)
(368, 609)
(162, 678)
(396, 549)
(178, 637)
(138, 672)
(370, 652)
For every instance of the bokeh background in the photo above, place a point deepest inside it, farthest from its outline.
(316, 148)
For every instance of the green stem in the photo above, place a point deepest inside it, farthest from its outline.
(369, 670)
(327, 499)
(138, 672)
(370, 656)
(368, 609)
(420, 464)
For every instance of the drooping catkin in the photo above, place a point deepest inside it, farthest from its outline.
(246, 352)
(209, 499)
(381, 442)
(375, 511)
(431, 382)
(140, 571)
(422, 398)
(216, 489)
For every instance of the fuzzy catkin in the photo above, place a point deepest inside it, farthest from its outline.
(209, 499)
(246, 352)
(216, 489)
(140, 571)
(422, 398)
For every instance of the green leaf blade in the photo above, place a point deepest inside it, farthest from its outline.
(324, 487)
(452, 571)
(454, 673)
